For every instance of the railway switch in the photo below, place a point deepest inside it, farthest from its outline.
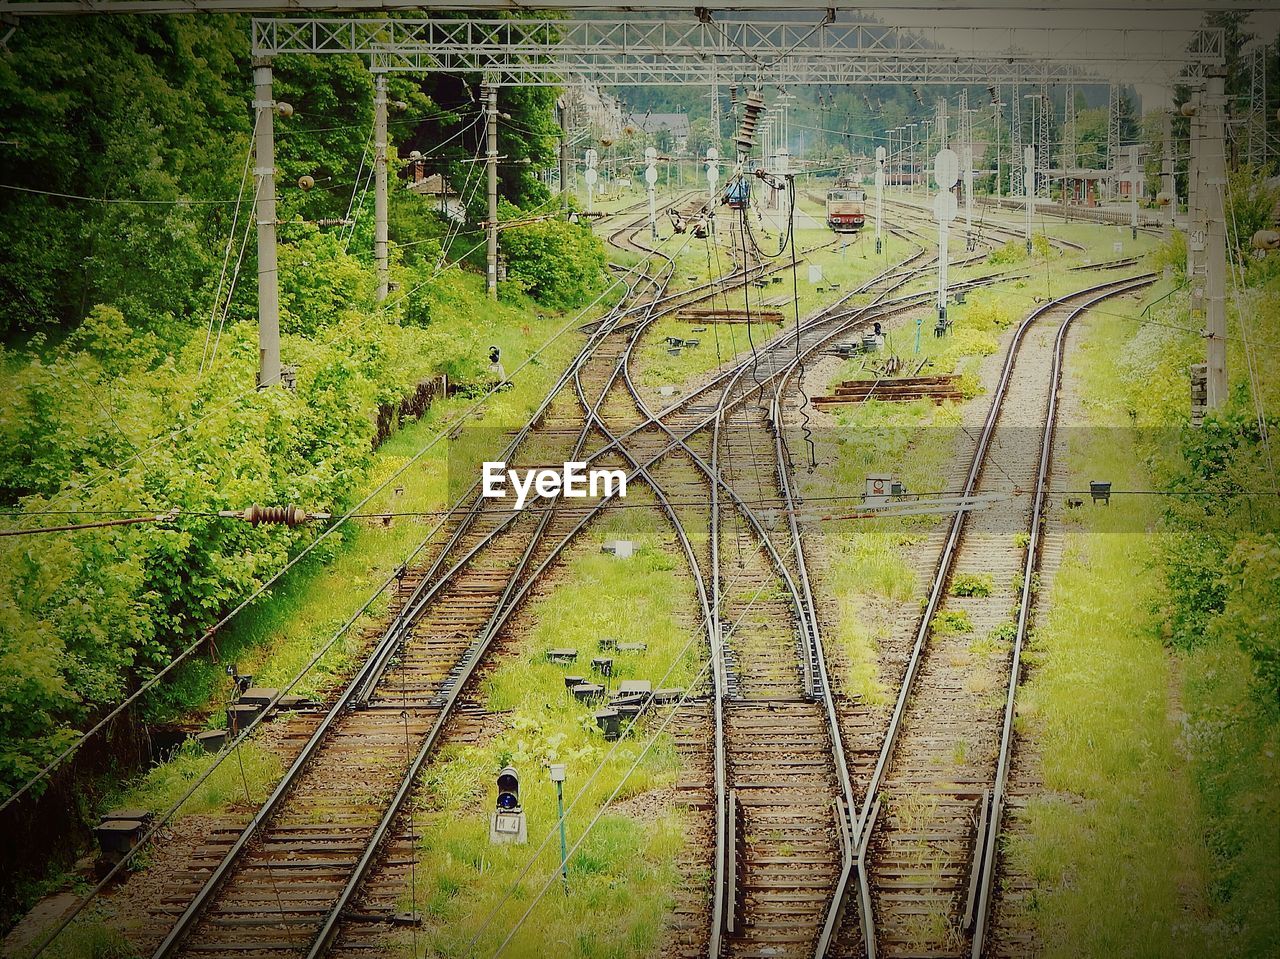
(507, 825)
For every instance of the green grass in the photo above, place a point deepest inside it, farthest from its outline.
(718, 343)
(242, 781)
(1116, 848)
(623, 877)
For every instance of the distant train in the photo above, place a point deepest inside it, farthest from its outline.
(846, 209)
(738, 193)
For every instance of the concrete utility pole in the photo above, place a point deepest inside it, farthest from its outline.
(1214, 189)
(1134, 177)
(268, 277)
(490, 90)
(1113, 138)
(1168, 185)
(715, 109)
(380, 183)
(1195, 214)
(880, 156)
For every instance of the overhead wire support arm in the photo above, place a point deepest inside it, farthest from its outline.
(621, 50)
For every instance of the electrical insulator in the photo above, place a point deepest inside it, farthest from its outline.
(752, 108)
(284, 109)
(306, 182)
(915, 92)
(733, 94)
(276, 515)
(995, 95)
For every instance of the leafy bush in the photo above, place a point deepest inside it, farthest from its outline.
(1006, 632)
(1172, 253)
(1014, 251)
(560, 264)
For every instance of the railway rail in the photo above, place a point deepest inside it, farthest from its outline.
(929, 814)
(290, 882)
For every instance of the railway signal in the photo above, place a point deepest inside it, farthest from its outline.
(507, 825)
(651, 182)
(880, 156)
(946, 173)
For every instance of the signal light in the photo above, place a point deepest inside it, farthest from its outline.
(508, 789)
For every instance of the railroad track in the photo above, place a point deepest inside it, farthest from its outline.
(285, 881)
(290, 882)
(929, 812)
(322, 829)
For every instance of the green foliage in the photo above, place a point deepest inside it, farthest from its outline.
(1170, 253)
(1251, 206)
(1251, 607)
(949, 622)
(971, 584)
(150, 108)
(1005, 633)
(1014, 251)
(560, 264)
(89, 612)
(1219, 560)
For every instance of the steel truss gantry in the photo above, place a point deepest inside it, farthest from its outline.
(622, 51)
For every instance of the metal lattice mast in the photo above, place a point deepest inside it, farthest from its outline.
(942, 123)
(1015, 141)
(1045, 104)
(966, 164)
(1257, 120)
(1069, 129)
(1113, 138)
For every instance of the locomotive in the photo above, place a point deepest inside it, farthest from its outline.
(845, 209)
(738, 193)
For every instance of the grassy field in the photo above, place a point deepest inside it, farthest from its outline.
(1159, 836)
(1116, 847)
